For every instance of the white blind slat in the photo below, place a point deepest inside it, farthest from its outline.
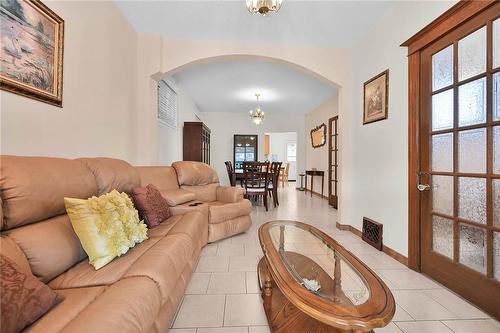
(167, 105)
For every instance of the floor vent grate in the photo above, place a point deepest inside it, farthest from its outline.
(372, 233)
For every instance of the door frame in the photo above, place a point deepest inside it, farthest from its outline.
(449, 20)
(332, 120)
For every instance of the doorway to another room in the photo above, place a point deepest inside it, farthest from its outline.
(282, 147)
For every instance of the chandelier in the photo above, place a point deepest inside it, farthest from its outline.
(257, 115)
(263, 7)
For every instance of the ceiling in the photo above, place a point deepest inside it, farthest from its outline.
(312, 23)
(229, 86)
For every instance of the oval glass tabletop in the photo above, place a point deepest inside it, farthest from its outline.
(318, 266)
(306, 274)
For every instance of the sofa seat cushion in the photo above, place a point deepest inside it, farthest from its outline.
(130, 305)
(164, 262)
(195, 225)
(220, 211)
(84, 275)
(164, 227)
(75, 301)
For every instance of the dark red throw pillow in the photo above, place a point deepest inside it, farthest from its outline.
(152, 207)
(24, 297)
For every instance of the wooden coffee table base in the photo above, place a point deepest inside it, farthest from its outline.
(282, 315)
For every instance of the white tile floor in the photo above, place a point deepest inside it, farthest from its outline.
(223, 295)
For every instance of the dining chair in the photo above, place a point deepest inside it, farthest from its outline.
(272, 188)
(284, 175)
(256, 180)
(230, 173)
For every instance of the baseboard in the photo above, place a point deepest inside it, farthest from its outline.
(387, 250)
(315, 193)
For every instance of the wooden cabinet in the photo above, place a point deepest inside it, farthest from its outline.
(196, 142)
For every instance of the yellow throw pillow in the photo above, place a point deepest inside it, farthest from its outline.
(107, 226)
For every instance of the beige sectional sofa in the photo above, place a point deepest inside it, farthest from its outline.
(139, 291)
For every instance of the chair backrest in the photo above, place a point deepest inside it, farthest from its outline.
(230, 172)
(256, 175)
(274, 171)
(287, 168)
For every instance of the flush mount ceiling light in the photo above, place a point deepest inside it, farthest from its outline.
(263, 7)
(257, 115)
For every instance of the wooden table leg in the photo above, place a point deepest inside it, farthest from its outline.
(322, 184)
(312, 185)
(305, 192)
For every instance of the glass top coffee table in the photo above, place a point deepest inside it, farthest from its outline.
(310, 283)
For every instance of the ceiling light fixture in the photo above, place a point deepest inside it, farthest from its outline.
(263, 7)
(257, 115)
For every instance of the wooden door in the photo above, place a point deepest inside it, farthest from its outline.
(460, 159)
(333, 161)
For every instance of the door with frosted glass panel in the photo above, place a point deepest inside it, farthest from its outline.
(460, 160)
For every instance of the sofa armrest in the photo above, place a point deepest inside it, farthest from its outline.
(230, 194)
(178, 196)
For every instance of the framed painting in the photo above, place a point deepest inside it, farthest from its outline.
(318, 136)
(376, 98)
(31, 53)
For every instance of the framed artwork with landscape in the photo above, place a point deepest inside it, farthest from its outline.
(31, 53)
(376, 98)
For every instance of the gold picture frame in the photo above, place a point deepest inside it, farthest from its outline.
(318, 136)
(376, 98)
(32, 51)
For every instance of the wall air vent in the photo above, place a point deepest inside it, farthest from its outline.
(372, 233)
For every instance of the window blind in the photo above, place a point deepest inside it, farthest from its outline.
(167, 105)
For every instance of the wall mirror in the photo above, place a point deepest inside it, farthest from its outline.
(318, 136)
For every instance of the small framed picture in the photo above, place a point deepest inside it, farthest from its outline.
(376, 98)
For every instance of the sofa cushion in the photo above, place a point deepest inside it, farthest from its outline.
(129, 306)
(164, 262)
(195, 225)
(11, 250)
(32, 188)
(24, 298)
(163, 177)
(204, 193)
(194, 173)
(202, 207)
(84, 275)
(51, 246)
(164, 227)
(220, 211)
(75, 301)
(217, 231)
(178, 196)
(107, 226)
(111, 174)
(230, 194)
(152, 206)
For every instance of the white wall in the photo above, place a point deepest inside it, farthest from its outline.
(170, 139)
(378, 169)
(225, 124)
(318, 157)
(97, 118)
(277, 146)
